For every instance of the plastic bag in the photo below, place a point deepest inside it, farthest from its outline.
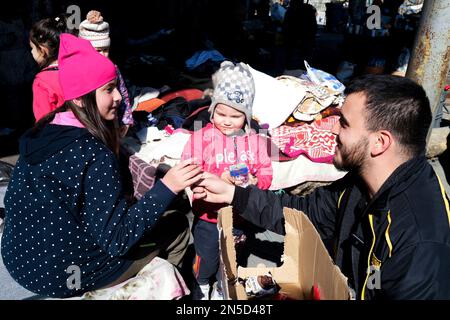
(323, 78)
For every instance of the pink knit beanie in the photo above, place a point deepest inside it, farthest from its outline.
(81, 68)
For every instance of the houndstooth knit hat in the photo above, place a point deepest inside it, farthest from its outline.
(234, 87)
(95, 30)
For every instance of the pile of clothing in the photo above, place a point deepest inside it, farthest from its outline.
(307, 107)
(308, 129)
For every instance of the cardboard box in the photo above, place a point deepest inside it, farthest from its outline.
(306, 262)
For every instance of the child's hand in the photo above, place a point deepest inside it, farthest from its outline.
(252, 179)
(228, 178)
(225, 176)
(183, 175)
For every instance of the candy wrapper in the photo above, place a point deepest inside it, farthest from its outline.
(259, 286)
(240, 172)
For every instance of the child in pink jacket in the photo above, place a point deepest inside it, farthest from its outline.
(223, 147)
(44, 43)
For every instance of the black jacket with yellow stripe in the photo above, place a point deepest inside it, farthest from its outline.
(393, 246)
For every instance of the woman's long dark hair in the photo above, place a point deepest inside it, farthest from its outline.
(104, 130)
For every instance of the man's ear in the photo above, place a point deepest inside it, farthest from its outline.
(382, 140)
(77, 101)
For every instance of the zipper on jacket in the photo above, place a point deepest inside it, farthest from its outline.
(363, 292)
(447, 206)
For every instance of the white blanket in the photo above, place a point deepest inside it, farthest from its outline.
(291, 173)
(274, 101)
(167, 148)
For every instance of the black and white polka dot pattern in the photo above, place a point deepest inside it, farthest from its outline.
(70, 210)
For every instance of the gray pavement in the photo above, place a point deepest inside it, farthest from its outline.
(9, 289)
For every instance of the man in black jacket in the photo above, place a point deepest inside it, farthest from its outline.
(387, 222)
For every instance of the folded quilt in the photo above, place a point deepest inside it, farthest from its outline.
(314, 140)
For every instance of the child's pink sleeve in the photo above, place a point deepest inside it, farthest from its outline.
(193, 147)
(43, 100)
(263, 165)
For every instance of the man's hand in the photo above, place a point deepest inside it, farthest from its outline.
(183, 175)
(213, 189)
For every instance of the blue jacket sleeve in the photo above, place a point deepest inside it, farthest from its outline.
(114, 225)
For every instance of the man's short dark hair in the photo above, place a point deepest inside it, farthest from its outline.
(398, 105)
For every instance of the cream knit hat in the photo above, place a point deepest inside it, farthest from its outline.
(95, 30)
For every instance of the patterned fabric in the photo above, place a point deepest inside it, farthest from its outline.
(315, 140)
(143, 175)
(158, 280)
(125, 105)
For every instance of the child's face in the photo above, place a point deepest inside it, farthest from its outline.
(227, 119)
(104, 51)
(108, 100)
(38, 53)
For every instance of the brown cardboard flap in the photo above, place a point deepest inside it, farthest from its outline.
(306, 262)
(316, 268)
(240, 292)
(226, 243)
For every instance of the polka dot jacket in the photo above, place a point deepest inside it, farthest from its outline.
(66, 215)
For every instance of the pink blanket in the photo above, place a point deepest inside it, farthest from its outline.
(314, 140)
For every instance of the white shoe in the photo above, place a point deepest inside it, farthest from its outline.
(216, 293)
(200, 292)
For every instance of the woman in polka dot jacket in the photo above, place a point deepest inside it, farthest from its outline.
(68, 228)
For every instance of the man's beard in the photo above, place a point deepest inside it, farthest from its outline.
(352, 158)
